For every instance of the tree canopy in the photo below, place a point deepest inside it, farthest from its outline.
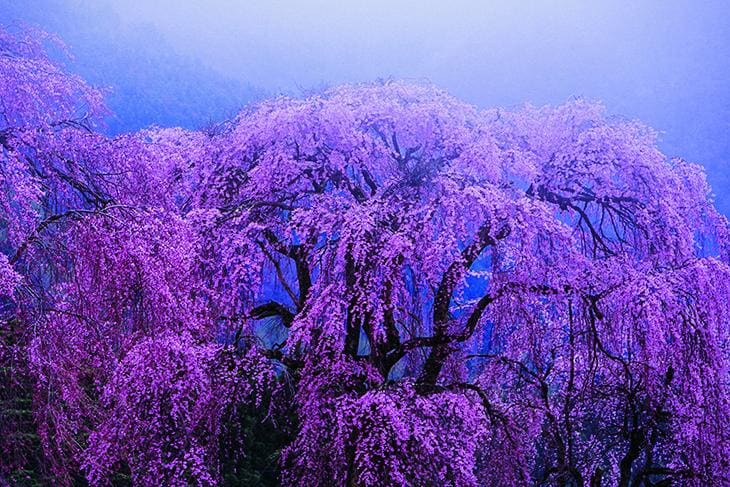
(378, 284)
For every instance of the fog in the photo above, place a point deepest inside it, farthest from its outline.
(664, 62)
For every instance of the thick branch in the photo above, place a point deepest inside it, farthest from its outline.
(298, 254)
(273, 308)
(441, 318)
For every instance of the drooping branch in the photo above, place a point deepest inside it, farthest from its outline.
(74, 214)
(352, 330)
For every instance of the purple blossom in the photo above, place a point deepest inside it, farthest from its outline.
(434, 294)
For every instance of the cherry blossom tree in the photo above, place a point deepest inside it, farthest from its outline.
(38, 97)
(434, 253)
(406, 289)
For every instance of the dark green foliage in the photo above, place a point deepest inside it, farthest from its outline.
(19, 444)
(252, 442)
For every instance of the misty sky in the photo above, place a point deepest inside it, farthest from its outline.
(664, 62)
(488, 52)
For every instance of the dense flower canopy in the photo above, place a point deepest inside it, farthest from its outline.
(380, 284)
